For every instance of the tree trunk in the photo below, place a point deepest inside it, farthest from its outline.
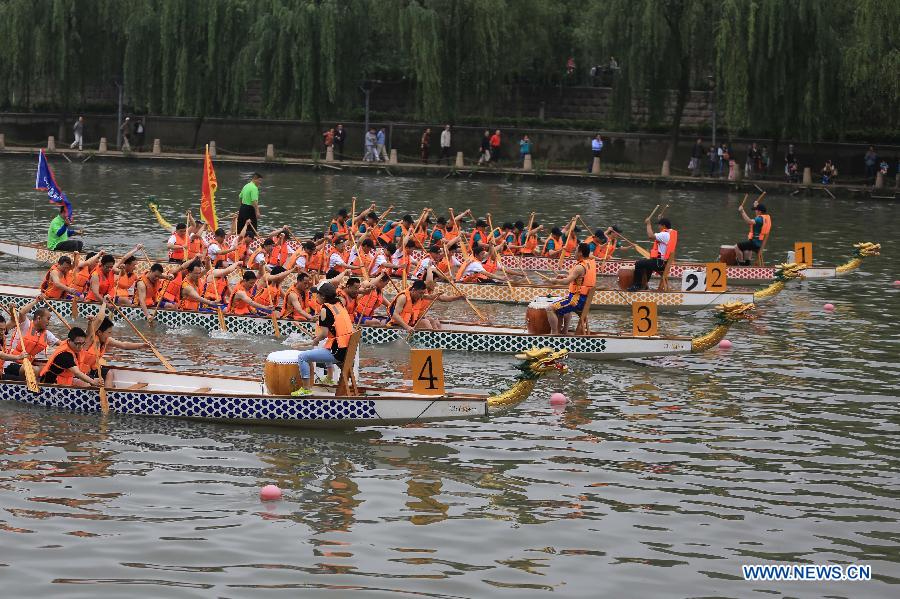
(680, 102)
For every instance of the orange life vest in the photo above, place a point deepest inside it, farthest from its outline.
(239, 306)
(195, 247)
(766, 227)
(349, 302)
(173, 289)
(34, 343)
(239, 254)
(270, 295)
(670, 247)
(81, 278)
(342, 329)
(106, 284)
(411, 310)
(125, 285)
(490, 265)
(65, 377)
(531, 243)
(474, 277)
(48, 288)
(217, 290)
(178, 252)
(368, 303)
(89, 357)
(295, 257)
(185, 302)
(587, 282)
(152, 289)
(340, 231)
(571, 244)
(482, 238)
(279, 254)
(556, 244)
(314, 262)
(288, 310)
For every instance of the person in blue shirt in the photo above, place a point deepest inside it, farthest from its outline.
(596, 148)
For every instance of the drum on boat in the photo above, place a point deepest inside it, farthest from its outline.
(536, 315)
(281, 372)
(728, 255)
(626, 277)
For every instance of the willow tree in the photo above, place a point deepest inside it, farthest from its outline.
(779, 66)
(662, 45)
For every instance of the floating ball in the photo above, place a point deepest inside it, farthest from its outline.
(828, 307)
(897, 283)
(725, 344)
(558, 399)
(270, 493)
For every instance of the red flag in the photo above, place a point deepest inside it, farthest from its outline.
(208, 187)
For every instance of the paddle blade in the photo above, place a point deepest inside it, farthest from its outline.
(30, 378)
(74, 308)
(275, 328)
(104, 401)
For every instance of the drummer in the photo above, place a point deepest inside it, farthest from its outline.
(581, 279)
(335, 328)
(760, 225)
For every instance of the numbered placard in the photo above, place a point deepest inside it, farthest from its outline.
(427, 367)
(716, 276)
(644, 320)
(693, 280)
(803, 252)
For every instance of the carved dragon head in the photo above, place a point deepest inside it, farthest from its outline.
(735, 311)
(539, 361)
(789, 270)
(866, 249)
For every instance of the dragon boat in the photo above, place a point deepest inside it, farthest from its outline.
(457, 336)
(247, 401)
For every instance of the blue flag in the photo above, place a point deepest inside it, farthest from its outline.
(46, 182)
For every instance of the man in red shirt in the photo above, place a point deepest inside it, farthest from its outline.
(495, 146)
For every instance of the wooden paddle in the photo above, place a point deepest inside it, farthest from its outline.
(636, 247)
(652, 213)
(499, 258)
(222, 325)
(276, 330)
(450, 282)
(663, 211)
(744, 201)
(104, 400)
(155, 351)
(58, 315)
(527, 235)
(30, 378)
(562, 254)
(75, 261)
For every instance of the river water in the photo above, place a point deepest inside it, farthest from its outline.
(660, 477)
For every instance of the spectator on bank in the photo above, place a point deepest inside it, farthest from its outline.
(78, 130)
(828, 173)
(139, 134)
(381, 145)
(871, 159)
(328, 139)
(751, 165)
(484, 153)
(697, 153)
(791, 166)
(883, 167)
(445, 145)
(125, 130)
(370, 145)
(596, 149)
(340, 136)
(425, 144)
(495, 146)
(764, 160)
(524, 149)
(712, 157)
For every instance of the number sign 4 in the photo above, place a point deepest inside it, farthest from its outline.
(644, 321)
(427, 367)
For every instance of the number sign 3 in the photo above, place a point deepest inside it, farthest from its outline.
(644, 321)
(427, 367)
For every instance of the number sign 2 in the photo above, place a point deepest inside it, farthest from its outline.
(803, 252)
(644, 321)
(716, 277)
(427, 367)
(693, 280)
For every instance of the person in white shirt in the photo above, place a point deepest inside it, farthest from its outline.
(664, 242)
(217, 250)
(445, 145)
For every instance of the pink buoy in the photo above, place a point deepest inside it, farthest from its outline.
(558, 399)
(725, 344)
(828, 307)
(270, 493)
(897, 283)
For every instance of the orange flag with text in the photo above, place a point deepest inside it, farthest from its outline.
(208, 188)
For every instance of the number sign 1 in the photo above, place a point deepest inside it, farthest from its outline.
(644, 321)
(427, 367)
(716, 277)
(693, 280)
(803, 252)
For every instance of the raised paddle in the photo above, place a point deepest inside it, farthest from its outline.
(636, 247)
(450, 282)
(498, 257)
(562, 254)
(30, 378)
(744, 201)
(75, 260)
(652, 213)
(663, 211)
(152, 347)
(58, 315)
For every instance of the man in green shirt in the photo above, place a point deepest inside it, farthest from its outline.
(58, 234)
(249, 210)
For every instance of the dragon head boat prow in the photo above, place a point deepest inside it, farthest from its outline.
(784, 273)
(727, 315)
(536, 362)
(864, 249)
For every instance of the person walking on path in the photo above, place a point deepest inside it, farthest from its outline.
(139, 134)
(78, 130)
(871, 159)
(371, 142)
(425, 144)
(381, 145)
(125, 130)
(340, 136)
(596, 148)
(697, 153)
(524, 149)
(249, 210)
(484, 153)
(445, 145)
(495, 146)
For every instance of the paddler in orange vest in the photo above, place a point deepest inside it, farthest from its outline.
(339, 257)
(338, 228)
(269, 289)
(527, 242)
(480, 267)
(37, 339)
(369, 299)
(103, 279)
(349, 293)
(62, 366)
(215, 283)
(178, 244)
(123, 292)
(407, 310)
(7, 347)
(582, 278)
(479, 236)
(171, 290)
(192, 288)
(760, 225)
(217, 251)
(664, 242)
(364, 221)
(335, 328)
(603, 243)
(297, 304)
(242, 301)
(56, 282)
(553, 245)
(81, 272)
(98, 340)
(148, 289)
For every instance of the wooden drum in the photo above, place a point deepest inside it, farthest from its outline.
(728, 255)
(626, 277)
(281, 372)
(536, 315)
